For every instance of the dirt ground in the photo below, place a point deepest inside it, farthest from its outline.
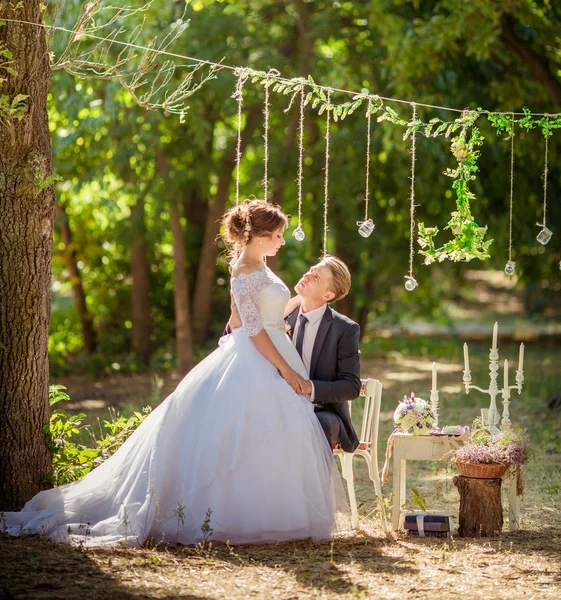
(367, 565)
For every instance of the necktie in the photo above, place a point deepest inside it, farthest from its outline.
(300, 336)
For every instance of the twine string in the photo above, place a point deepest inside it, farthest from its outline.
(511, 189)
(266, 109)
(219, 65)
(301, 154)
(326, 183)
(238, 95)
(412, 194)
(545, 169)
(367, 185)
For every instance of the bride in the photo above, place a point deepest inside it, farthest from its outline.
(235, 450)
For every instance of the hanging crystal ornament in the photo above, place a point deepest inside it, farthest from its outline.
(410, 283)
(366, 227)
(545, 234)
(298, 233)
(510, 267)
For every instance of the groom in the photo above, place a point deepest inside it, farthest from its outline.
(328, 344)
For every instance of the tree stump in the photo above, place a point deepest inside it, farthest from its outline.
(481, 511)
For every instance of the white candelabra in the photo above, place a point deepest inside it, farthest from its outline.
(434, 396)
(493, 389)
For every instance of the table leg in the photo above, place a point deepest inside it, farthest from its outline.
(399, 476)
(513, 502)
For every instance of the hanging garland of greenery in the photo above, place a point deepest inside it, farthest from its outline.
(468, 241)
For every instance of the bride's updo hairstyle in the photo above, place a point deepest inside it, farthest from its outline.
(252, 218)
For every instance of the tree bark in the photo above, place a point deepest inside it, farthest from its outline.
(27, 213)
(202, 305)
(71, 257)
(140, 268)
(481, 511)
(183, 333)
(537, 63)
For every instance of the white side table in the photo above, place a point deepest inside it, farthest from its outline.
(427, 447)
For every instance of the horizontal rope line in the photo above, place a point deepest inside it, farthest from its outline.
(283, 79)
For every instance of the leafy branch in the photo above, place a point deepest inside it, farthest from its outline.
(504, 123)
(316, 95)
(95, 49)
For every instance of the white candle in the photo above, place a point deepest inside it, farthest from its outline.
(495, 332)
(434, 376)
(466, 357)
(521, 357)
(506, 374)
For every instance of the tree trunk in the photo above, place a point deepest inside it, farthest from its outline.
(481, 511)
(206, 273)
(537, 64)
(70, 255)
(183, 336)
(141, 320)
(183, 333)
(27, 213)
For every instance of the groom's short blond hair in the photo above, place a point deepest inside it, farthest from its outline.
(340, 277)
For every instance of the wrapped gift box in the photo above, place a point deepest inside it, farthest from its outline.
(429, 525)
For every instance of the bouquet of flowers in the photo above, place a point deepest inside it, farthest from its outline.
(414, 415)
(508, 447)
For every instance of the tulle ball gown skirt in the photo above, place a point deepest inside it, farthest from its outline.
(232, 454)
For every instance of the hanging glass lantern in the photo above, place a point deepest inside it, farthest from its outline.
(544, 236)
(510, 267)
(365, 228)
(299, 234)
(410, 283)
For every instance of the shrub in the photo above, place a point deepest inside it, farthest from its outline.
(71, 461)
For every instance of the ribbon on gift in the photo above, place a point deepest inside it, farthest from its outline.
(420, 518)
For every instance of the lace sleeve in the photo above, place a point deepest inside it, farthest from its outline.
(247, 290)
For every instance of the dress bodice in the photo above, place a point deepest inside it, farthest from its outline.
(261, 298)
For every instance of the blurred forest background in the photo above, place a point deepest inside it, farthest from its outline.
(139, 282)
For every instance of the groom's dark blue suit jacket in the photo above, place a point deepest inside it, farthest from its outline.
(335, 369)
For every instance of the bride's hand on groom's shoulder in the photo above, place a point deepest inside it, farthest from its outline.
(292, 305)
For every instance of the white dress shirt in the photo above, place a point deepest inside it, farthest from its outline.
(314, 319)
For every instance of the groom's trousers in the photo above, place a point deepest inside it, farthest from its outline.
(331, 425)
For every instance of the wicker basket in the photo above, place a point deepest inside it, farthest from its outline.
(481, 471)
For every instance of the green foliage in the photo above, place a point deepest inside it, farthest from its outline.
(106, 150)
(469, 239)
(72, 461)
(42, 182)
(11, 108)
(417, 502)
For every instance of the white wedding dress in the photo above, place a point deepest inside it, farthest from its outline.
(233, 447)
